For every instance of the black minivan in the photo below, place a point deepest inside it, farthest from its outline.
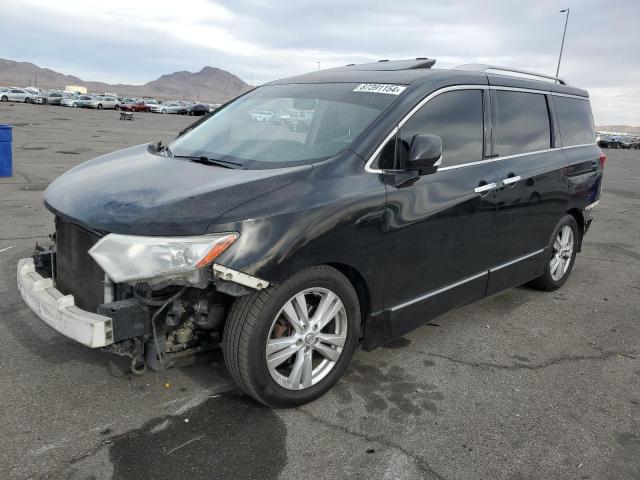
(410, 192)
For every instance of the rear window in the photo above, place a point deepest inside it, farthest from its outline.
(523, 122)
(576, 121)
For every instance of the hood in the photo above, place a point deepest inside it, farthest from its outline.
(138, 193)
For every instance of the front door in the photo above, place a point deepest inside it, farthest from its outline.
(440, 228)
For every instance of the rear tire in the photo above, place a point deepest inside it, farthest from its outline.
(99, 106)
(562, 249)
(258, 326)
(5, 98)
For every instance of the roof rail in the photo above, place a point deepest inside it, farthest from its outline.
(479, 67)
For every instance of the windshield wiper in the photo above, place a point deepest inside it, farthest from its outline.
(211, 161)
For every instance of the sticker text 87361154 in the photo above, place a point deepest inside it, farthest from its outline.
(380, 88)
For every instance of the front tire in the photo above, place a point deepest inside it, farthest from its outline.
(289, 344)
(562, 250)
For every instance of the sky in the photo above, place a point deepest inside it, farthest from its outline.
(135, 41)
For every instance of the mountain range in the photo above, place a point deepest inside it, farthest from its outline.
(208, 85)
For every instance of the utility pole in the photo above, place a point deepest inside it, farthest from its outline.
(564, 33)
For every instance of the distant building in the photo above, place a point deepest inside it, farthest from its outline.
(76, 89)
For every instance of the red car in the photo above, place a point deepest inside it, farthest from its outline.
(134, 106)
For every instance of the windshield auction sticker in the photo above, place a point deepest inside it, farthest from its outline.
(379, 88)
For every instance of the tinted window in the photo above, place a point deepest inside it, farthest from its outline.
(576, 121)
(523, 122)
(456, 117)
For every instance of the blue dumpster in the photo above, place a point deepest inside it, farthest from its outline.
(6, 162)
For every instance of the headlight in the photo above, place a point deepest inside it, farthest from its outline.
(130, 257)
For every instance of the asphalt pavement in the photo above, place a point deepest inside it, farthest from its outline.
(522, 385)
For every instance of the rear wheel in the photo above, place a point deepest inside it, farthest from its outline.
(288, 345)
(75, 105)
(562, 253)
(5, 98)
(99, 106)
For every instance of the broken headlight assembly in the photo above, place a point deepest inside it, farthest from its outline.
(132, 258)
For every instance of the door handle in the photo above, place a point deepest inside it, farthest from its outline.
(485, 188)
(510, 180)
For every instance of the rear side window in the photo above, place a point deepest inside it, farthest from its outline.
(456, 117)
(523, 122)
(576, 121)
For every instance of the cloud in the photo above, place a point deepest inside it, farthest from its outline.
(134, 41)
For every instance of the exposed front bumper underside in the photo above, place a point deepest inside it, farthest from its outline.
(59, 311)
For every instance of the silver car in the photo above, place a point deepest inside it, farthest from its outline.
(169, 107)
(16, 95)
(104, 102)
(69, 102)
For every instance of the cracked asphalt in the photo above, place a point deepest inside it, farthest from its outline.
(522, 385)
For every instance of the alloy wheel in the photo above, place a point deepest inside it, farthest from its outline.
(306, 338)
(562, 253)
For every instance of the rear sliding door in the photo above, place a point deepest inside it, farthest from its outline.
(533, 192)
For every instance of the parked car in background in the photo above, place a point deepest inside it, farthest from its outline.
(39, 99)
(54, 98)
(69, 101)
(154, 106)
(134, 106)
(84, 101)
(260, 115)
(629, 142)
(199, 109)
(299, 121)
(16, 95)
(169, 107)
(104, 102)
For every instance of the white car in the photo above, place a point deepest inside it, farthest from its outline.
(16, 95)
(153, 106)
(170, 107)
(261, 115)
(103, 102)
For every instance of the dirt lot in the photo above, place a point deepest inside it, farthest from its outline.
(522, 385)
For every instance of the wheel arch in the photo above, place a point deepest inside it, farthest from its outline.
(359, 284)
(580, 220)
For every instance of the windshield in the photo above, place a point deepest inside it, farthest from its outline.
(322, 120)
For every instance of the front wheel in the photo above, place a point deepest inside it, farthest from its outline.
(561, 255)
(5, 98)
(116, 107)
(289, 344)
(99, 106)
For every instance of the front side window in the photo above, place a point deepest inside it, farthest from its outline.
(576, 121)
(456, 117)
(284, 125)
(523, 122)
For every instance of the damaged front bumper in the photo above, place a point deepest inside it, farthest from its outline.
(59, 311)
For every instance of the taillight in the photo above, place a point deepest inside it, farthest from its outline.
(603, 159)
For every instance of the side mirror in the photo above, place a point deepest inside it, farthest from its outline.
(425, 154)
